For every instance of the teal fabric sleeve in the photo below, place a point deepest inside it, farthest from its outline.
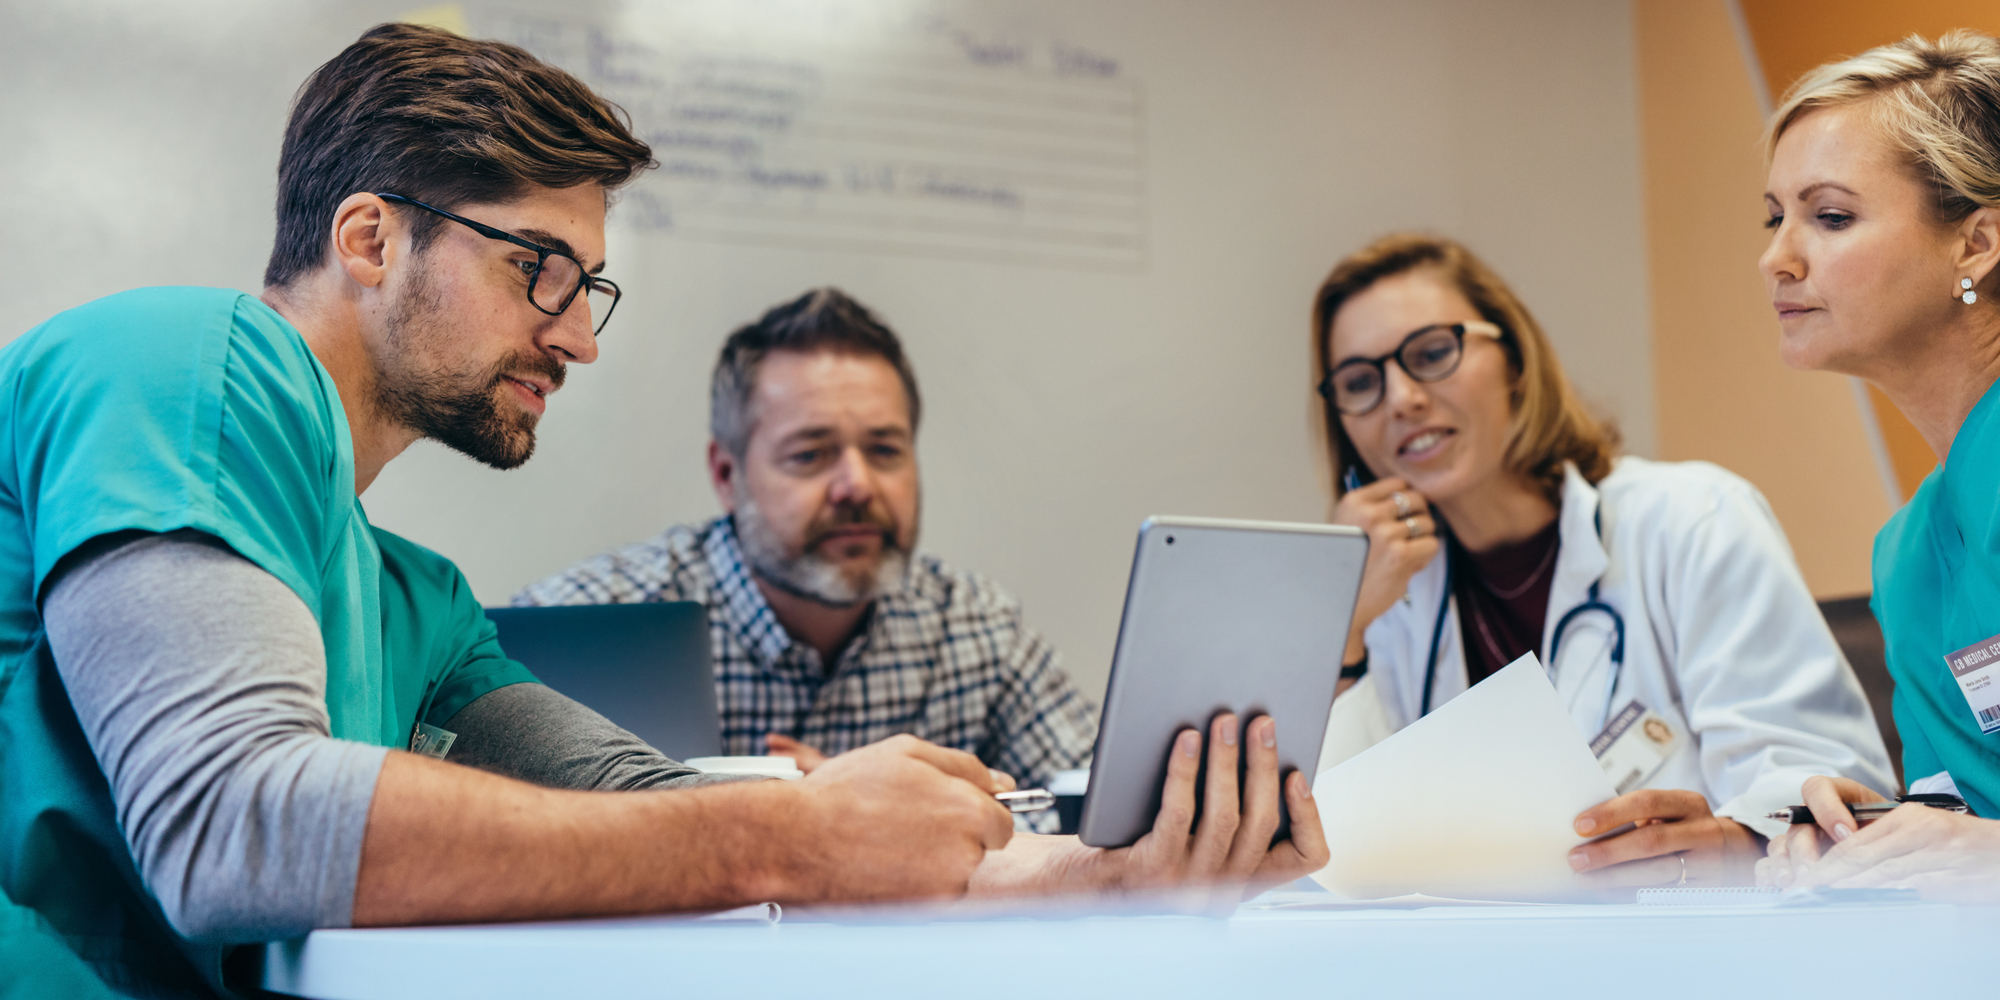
(168, 408)
(1919, 760)
(444, 650)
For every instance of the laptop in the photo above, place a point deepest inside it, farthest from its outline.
(643, 666)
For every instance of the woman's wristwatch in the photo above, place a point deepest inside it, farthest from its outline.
(1355, 671)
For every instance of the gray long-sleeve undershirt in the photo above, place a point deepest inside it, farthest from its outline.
(534, 733)
(200, 682)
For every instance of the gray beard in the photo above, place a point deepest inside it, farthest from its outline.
(808, 575)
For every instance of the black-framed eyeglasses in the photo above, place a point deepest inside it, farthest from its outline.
(1356, 386)
(556, 277)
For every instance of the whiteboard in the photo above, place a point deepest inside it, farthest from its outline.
(855, 129)
(1097, 225)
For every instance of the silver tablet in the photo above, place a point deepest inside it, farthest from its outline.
(1220, 616)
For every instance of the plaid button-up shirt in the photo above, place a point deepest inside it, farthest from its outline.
(945, 658)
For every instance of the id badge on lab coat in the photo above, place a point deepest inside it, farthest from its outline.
(1977, 670)
(1634, 746)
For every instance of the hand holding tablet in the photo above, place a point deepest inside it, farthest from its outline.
(1230, 846)
(1205, 863)
(1223, 619)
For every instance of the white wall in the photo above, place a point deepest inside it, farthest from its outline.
(1063, 405)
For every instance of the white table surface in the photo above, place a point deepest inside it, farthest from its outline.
(1599, 952)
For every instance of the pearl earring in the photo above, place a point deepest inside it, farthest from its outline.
(1970, 296)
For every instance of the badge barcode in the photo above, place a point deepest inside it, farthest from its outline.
(1988, 716)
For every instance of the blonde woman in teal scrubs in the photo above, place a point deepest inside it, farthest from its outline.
(1884, 202)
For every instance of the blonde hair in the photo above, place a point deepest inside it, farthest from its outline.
(1938, 102)
(1549, 425)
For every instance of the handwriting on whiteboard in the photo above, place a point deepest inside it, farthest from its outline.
(928, 140)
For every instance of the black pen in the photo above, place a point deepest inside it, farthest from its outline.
(1869, 812)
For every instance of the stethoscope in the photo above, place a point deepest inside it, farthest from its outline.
(1591, 602)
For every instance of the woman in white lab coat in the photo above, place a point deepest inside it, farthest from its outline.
(1662, 597)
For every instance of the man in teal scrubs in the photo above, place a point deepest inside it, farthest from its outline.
(220, 687)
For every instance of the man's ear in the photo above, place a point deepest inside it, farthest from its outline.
(723, 468)
(1979, 251)
(367, 237)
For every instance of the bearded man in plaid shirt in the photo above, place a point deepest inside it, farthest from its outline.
(827, 629)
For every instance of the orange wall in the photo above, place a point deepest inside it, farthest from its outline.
(1722, 393)
(1793, 36)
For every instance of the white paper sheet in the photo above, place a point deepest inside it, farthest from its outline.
(1474, 801)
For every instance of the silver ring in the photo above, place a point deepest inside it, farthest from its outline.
(1414, 526)
(1402, 503)
(1684, 869)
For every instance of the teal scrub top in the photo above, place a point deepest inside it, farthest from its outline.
(1937, 590)
(169, 408)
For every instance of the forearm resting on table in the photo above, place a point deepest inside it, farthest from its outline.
(1035, 864)
(448, 844)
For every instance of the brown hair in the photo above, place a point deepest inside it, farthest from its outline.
(1938, 102)
(442, 119)
(824, 319)
(1550, 425)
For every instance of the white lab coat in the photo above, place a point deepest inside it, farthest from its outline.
(1722, 639)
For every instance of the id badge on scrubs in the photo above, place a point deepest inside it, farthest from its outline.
(1634, 746)
(430, 741)
(1977, 670)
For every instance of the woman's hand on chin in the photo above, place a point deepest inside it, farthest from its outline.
(1395, 551)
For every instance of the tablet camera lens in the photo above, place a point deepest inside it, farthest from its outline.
(1170, 539)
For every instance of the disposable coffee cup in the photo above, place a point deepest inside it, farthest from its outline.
(769, 767)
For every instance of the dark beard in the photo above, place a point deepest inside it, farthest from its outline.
(460, 410)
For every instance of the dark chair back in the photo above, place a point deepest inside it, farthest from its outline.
(643, 666)
(1860, 637)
